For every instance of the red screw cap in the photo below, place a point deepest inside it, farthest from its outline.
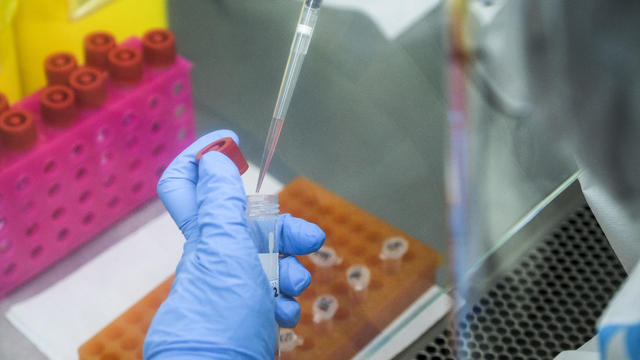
(57, 105)
(89, 85)
(4, 103)
(229, 148)
(125, 65)
(159, 48)
(17, 130)
(58, 67)
(96, 49)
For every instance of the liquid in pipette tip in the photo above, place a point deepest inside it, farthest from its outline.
(297, 52)
(269, 149)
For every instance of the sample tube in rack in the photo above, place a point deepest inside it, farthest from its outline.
(289, 340)
(324, 309)
(393, 249)
(262, 217)
(324, 260)
(358, 278)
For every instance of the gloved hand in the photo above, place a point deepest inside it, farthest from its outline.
(221, 305)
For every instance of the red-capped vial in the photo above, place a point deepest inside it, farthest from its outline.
(159, 48)
(58, 67)
(96, 49)
(89, 85)
(125, 65)
(58, 105)
(17, 130)
(229, 148)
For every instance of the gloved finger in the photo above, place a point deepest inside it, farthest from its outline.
(299, 237)
(224, 237)
(177, 186)
(294, 278)
(287, 311)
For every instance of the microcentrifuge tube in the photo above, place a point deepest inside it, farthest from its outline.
(358, 277)
(393, 249)
(325, 257)
(289, 340)
(262, 217)
(324, 307)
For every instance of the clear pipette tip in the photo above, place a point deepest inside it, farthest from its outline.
(297, 53)
(269, 149)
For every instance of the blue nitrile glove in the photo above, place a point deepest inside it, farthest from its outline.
(619, 325)
(221, 305)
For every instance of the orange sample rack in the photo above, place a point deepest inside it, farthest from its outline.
(124, 337)
(357, 237)
(354, 237)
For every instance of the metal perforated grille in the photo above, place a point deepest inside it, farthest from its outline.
(547, 303)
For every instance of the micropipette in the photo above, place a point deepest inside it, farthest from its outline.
(299, 47)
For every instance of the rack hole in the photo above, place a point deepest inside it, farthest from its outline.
(103, 135)
(113, 202)
(158, 150)
(182, 134)
(135, 164)
(2, 222)
(10, 269)
(128, 119)
(155, 127)
(131, 142)
(106, 157)
(23, 183)
(133, 317)
(179, 111)
(136, 187)
(62, 234)
(36, 251)
(27, 206)
(110, 356)
(5, 244)
(57, 213)
(114, 332)
(109, 181)
(84, 197)
(87, 219)
(81, 173)
(49, 167)
(32, 229)
(77, 150)
(153, 102)
(94, 348)
(177, 88)
(129, 343)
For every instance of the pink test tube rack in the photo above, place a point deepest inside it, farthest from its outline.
(77, 181)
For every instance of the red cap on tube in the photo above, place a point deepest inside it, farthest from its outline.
(89, 85)
(125, 65)
(58, 67)
(96, 48)
(159, 48)
(17, 129)
(58, 105)
(229, 148)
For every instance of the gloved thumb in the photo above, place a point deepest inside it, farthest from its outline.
(221, 213)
